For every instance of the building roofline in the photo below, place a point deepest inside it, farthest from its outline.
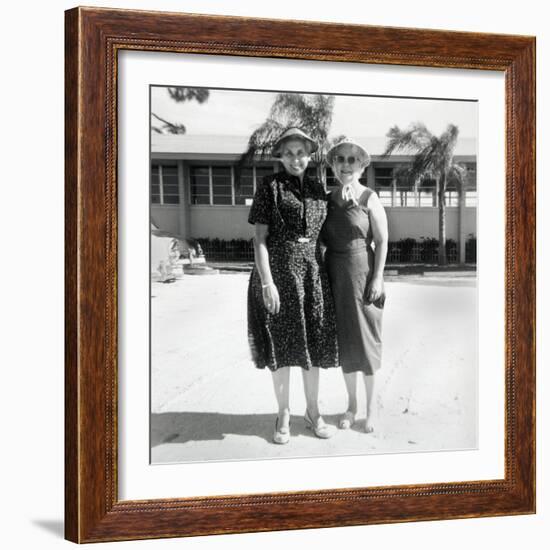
(204, 157)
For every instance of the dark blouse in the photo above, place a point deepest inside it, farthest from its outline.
(290, 209)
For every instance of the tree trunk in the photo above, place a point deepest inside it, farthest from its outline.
(442, 254)
(461, 245)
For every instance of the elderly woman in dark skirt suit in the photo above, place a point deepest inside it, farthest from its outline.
(290, 311)
(355, 221)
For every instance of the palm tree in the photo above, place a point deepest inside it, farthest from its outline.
(310, 112)
(434, 158)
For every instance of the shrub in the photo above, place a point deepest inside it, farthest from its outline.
(430, 248)
(406, 246)
(471, 249)
(237, 250)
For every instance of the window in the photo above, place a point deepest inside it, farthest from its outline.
(405, 195)
(427, 193)
(405, 192)
(200, 184)
(251, 177)
(471, 175)
(331, 178)
(471, 198)
(471, 185)
(246, 188)
(451, 196)
(155, 184)
(215, 185)
(170, 187)
(262, 172)
(222, 185)
(311, 171)
(383, 184)
(164, 184)
(395, 190)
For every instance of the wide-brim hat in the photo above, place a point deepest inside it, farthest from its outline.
(344, 140)
(293, 133)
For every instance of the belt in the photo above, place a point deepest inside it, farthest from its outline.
(292, 242)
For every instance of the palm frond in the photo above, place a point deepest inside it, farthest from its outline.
(457, 175)
(312, 113)
(404, 174)
(168, 127)
(415, 138)
(262, 140)
(447, 144)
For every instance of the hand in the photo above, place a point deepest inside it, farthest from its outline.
(375, 289)
(271, 298)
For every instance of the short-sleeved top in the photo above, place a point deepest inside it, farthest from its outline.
(289, 208)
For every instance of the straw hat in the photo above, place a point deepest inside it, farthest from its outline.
(293, 133)
(347, 141)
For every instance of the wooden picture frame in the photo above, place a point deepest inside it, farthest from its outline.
(93, 511)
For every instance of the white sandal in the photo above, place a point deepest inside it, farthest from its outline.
(347, 420)
(320, 429)
(281, 436)
(369, 428)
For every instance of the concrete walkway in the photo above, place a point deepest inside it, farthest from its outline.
(210, 403)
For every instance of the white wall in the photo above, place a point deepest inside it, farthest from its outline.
(167, 218)
(32, 277)
(424, 222)
(223, 222)
(230, 222)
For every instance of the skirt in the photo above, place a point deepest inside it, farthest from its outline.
(303, 333)
(359, 322)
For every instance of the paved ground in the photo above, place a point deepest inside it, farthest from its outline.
(210, 403)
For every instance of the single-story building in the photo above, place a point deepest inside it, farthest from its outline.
(194, 191)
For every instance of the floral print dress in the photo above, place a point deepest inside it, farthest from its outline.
(303, 333)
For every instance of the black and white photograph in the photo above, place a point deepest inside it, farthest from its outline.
(283, 282)
(313, 285)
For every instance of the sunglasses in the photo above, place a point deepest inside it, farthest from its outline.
(350, 160)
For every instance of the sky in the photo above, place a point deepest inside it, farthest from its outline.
(239, 113)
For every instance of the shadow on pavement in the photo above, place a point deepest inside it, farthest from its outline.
(182, 427)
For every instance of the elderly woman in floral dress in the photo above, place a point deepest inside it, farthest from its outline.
(290, 310)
